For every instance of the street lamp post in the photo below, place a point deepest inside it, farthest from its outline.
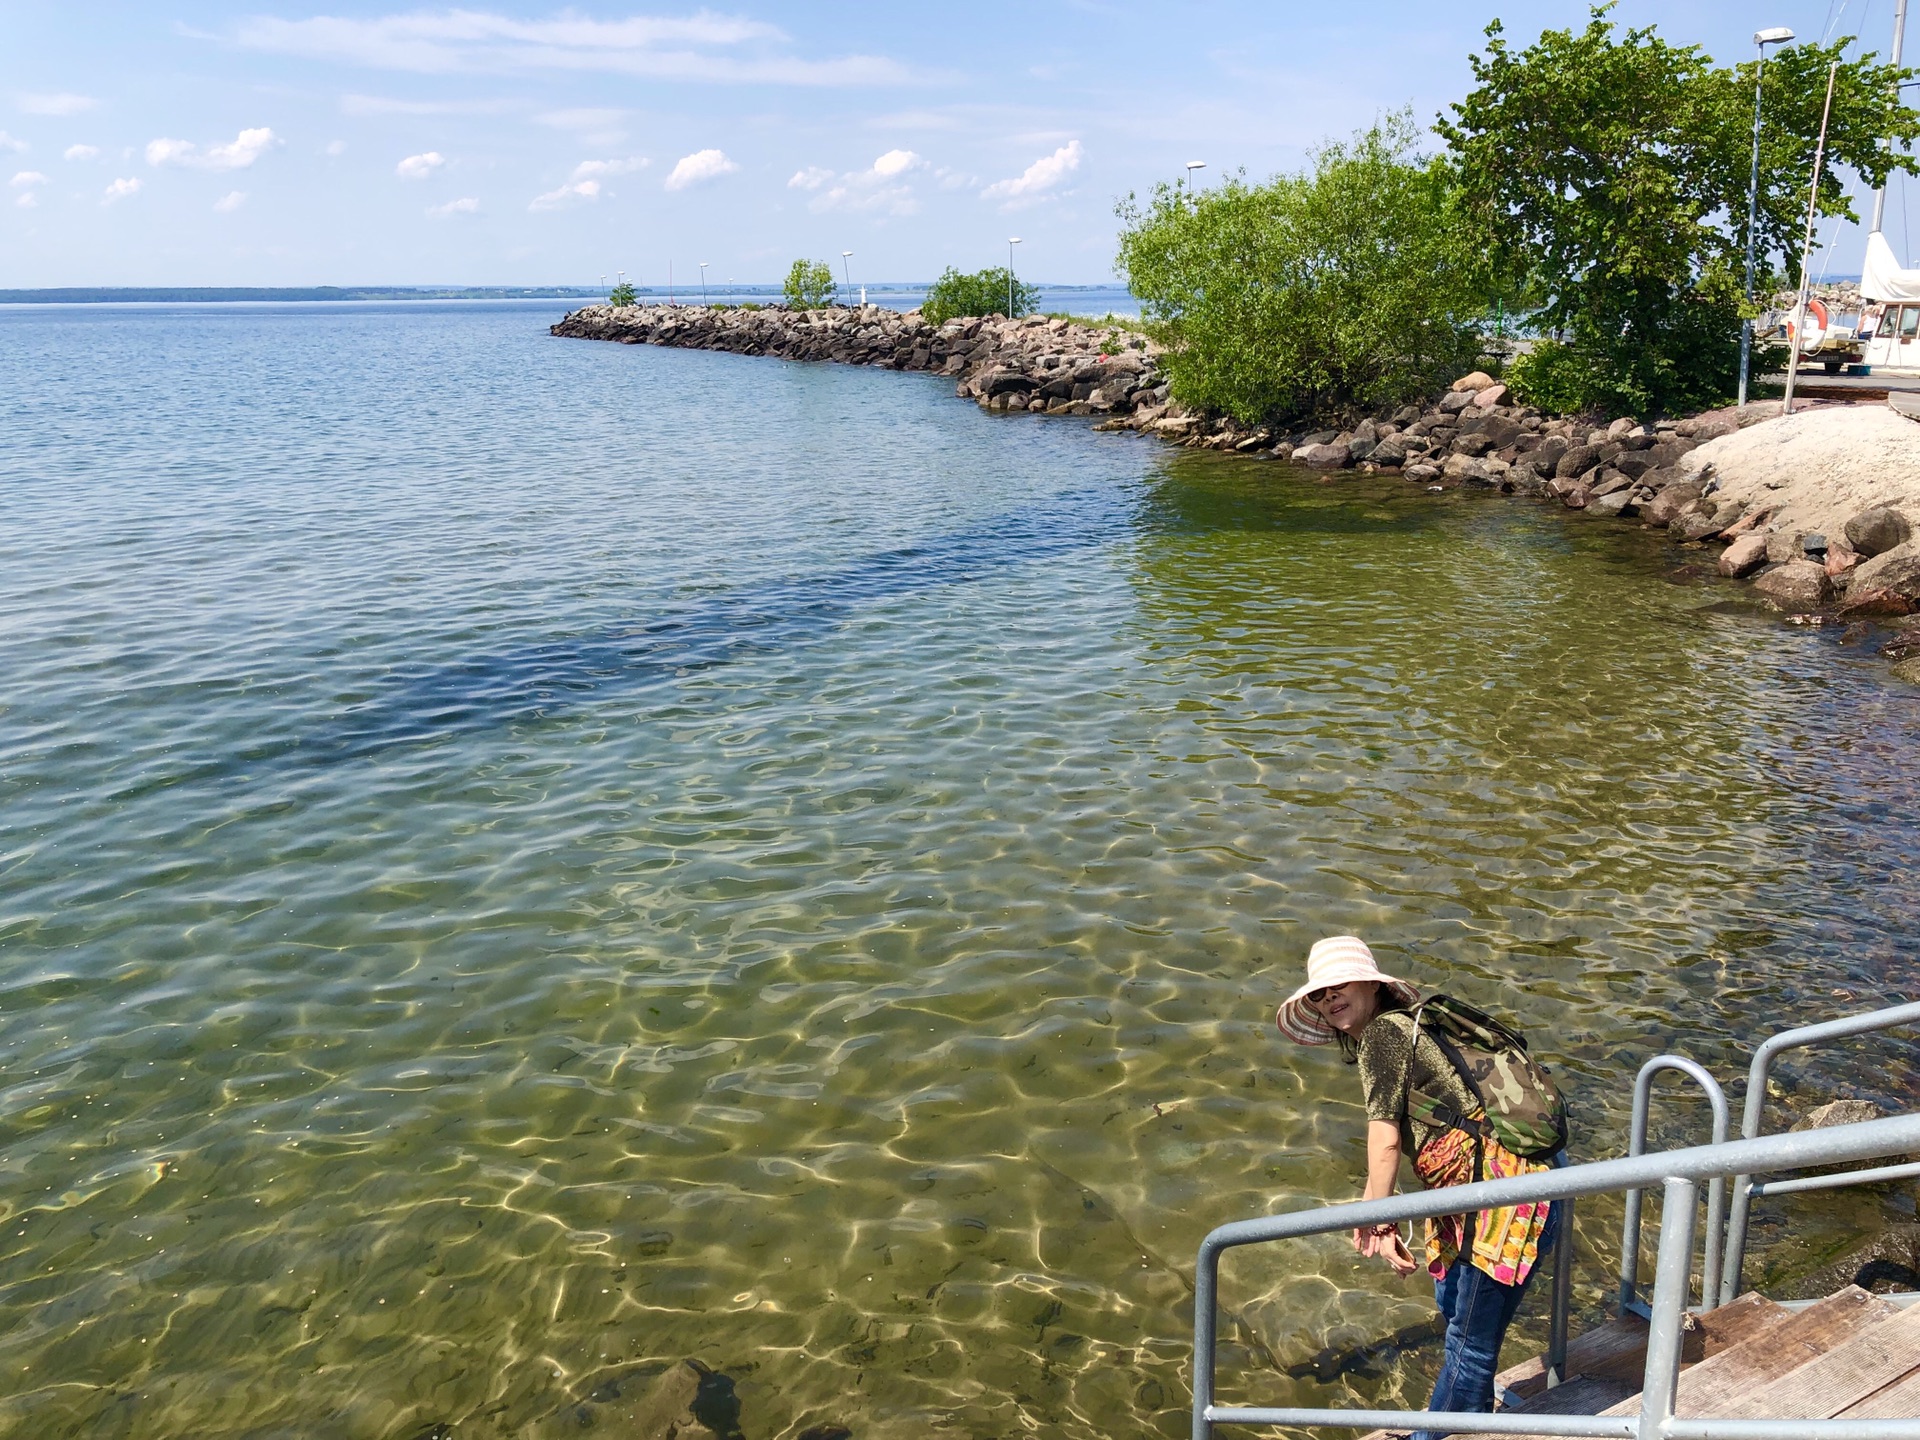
(1012, 240)
(703, 282)
(1779, 35)
(846, 268)
(1193, 165)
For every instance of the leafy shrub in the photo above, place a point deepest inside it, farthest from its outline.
(809, 285)
(1551, 376)
(1346, 287)
(984, 292)
(623, 294)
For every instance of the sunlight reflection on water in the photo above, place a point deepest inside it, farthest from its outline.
(430, 993)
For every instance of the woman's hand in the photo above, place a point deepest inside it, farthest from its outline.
(1395, 1252)
(1385, 1241)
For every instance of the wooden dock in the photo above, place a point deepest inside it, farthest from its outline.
(1850, 1356)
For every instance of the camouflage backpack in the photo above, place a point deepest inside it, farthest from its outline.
(1523, 1109)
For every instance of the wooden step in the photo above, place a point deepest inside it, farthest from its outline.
(1746, 1343)
(1821, 1388)
(1898, 1401)
(1618, 1349)
(1715, 1384)
(1619, 1366)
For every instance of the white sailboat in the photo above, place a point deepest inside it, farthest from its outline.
(1889, 331)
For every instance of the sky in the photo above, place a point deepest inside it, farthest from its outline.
(497, 142)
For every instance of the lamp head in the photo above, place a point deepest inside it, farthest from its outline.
(846, 254)
(1778, 35)
(1196, 164)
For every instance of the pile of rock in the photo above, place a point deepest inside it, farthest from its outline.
(1032, 364)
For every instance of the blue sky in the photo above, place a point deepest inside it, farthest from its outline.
(506, 143)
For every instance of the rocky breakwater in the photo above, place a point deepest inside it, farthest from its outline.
(1033, 364)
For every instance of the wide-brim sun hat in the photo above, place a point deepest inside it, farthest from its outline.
(1337, 960)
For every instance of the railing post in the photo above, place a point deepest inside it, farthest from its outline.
(1562, 1298)
(1672, 1280)
(1716, 1192)
(1206, 1272)
(1888, 1018)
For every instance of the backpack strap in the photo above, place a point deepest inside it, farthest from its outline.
(1433, 1111)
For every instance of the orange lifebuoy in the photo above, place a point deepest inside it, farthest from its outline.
(1816, 325)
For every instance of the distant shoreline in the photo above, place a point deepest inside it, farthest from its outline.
(908, 292)
(202, 295)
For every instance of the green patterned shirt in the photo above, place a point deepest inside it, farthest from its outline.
(1385, 1051)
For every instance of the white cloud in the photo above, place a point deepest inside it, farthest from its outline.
(56, 104)
(28, 177)
(7, 142)
(702, 46)
(81, 152)
(336, 147)
(566, 195)
(896, 162)
(119, 190)
(1038, 178)
(26, 200)
(581, 119)
(594, 169)
(382, 105)
(230, 202)
(465, 205)
(601, 126)
(879, 187)
(700, 166)
(419, 167)
(237, 154)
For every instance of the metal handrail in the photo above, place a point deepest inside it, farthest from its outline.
(1756, 1099)
(1716, 1192)
(1678, 1171)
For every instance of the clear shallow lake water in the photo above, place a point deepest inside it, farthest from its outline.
(523, 860)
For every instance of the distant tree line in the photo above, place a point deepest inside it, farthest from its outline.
(1595, 182)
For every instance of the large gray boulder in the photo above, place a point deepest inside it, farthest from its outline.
(1878, 530)
(1799, 587)
(1671, 501)
(1324, 457)
(1896, 571)
(1577, 461)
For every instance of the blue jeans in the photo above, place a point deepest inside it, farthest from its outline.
(1478, 1309)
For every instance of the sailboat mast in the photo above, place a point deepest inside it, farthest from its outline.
(1899, 40)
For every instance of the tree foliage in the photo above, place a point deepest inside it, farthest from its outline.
(1610, 170)
(984, 292)
(623, 294)
(809, 285)
(1339, 289)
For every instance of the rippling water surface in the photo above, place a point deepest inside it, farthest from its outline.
(524, 860)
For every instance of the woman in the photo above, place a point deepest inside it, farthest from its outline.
(1481, 1264)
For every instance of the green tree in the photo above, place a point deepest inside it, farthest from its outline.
(1610, 169)
(809, 285)
(623, 294)
(1340, 289)
(984, 292)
